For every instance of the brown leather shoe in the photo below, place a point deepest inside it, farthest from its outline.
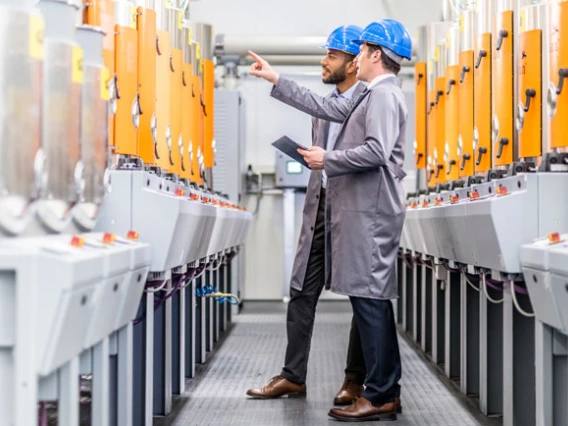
(277, 387)
(349, 393)
(362, 410)
(398, 405)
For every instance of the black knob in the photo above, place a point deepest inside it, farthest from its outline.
(464, 70)
(438, 94)
(482, 54)
(139, 104)
(450, 84)
(451, 163)
(482, 150)
(530, 93)
(502, 143)
(419, 157)
(466, 157)
(430, 109)
(420, 77)
(562, 73)
(502, 35)
(439, 168)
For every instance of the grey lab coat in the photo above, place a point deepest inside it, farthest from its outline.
(320, 132)
(364, 191)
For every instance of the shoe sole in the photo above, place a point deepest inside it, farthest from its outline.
(289, 395)
(387, 417)
(343, 404)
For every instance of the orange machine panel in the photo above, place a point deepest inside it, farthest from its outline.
(176, 69)
(559, 72)
(502, 136)
(431, 137)
(465, 108)
(420, 115)
(482, 101)
(186, 110)
(100, 13)
(126, 60)
(440, 128)
(452, 122)
(196, 141)
(163, 72)
(530, 96)
(147, 85)
(209, 101)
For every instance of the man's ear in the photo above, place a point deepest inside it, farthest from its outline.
(377, 55)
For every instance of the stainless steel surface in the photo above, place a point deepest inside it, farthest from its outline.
(147, 4)
(422, 43)
(436, 33)
(453, 46)
(186, 47)
(60, 19)
(467, 33)
(176, 34)
(484, 16)
(504, 5)
(442, 62)
(161, 14)
(20, 84)
(194, 60)
(123, 12)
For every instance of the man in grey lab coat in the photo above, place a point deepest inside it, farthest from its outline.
(366, 202)
(309, 272)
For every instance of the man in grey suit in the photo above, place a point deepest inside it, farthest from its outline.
(309, 272)
(365, 202)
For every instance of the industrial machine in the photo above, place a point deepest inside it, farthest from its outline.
(495, 182)
(115, 260)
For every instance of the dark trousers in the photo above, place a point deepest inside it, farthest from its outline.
(302, 311)
(376, 325)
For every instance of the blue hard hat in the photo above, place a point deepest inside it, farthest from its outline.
(342, 39)
(389, 34)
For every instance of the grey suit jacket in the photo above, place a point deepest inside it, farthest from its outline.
(364, 194)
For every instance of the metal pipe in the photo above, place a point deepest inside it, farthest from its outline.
(268, 45)
(203, 34)
(161, 15)
(453, 46)
(467, 41)
(484, 16)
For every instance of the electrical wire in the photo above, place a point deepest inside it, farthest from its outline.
(465, 275)
(156, 290)
(199, 272)
(516, 302)
(484, 281)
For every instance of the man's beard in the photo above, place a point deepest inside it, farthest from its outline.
(337, 77)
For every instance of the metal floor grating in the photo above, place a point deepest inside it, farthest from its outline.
(253, 352)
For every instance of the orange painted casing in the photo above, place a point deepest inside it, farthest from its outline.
(558, 61)
(209, 101)
(482, 102)
(163, 99)
(126, 60)
(186, 120)
(530, 75)
(452, 122)
(503, 95)
(465, 112)
(176, 69)
(147, 84)
(440, 129)
(431, 137)
(420, 115)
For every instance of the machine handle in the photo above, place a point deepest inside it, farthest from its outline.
(116, 86)
(203, 106)
(430, 109)
(431, 174)
(172, 63)
(502, 143)
(464, 70)
(420, 77)
(139, 105)
(466, 157)
(438, 94)
(158, 50)
(439, 168)
(450, 84)
(482, 150)
(183, 78)
(562, 74)
(502, 35)
(419, 157)
(482, 54)
(530, 93)
(451, 163)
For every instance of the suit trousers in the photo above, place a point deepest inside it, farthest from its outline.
(376, 325)
(302, 310)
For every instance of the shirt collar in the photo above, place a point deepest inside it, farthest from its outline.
(378, 79)
(348, 94)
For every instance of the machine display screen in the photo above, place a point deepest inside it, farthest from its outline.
(293, 168)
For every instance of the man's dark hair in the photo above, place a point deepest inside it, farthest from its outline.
(387, 62)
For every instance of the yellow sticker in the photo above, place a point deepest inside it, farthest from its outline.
(197, 51)
(77, 73)
(180, 20)
(437, 54)
(37, 28)
(105, 82)
(523, 21)
(462, 22)
(133, 17)
(189, 36)
(430, 67)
